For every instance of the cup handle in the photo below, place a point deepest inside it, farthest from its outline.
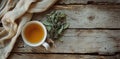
(46, 45)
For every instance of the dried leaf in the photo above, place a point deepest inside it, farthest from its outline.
(48, 28)
(46, 23)
(66, 26)
(60, 30)
(55, 24)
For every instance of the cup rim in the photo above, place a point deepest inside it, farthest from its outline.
(32, 44)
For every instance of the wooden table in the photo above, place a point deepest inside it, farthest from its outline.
(94, 32)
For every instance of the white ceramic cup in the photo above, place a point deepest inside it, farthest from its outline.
(42, 42)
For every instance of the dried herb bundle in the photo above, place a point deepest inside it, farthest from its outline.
(55, 24)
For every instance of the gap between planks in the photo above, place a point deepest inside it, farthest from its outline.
(88, 2)
(92, 54)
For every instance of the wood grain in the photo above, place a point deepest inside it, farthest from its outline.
(80, 41)
(59, 56)
(88, 16)
(87, 1)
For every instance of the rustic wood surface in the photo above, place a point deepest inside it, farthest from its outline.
(94, 32)
(88, 1)
(89, 16)
(80, 41)
(93, 29)
(60, 56)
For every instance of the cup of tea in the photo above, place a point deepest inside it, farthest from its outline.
(34, 34)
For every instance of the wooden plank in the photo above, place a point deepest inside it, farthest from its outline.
(59, 56)
(87, 1)
(80, 41)
(88, 16)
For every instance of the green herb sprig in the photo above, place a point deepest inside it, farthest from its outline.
(55, 24)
